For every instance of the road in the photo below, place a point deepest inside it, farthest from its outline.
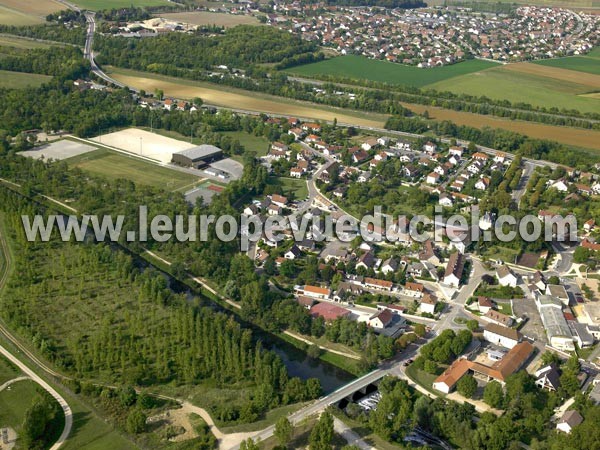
(61, 401)
(90, 17)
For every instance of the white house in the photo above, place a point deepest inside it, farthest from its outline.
(482, 184)
(568, 421)
(499, 335)
(506, 277)
(433, 178)
(292, 253)
(429, 147)
(428, 303)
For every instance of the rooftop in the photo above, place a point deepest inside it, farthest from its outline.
(199, 152)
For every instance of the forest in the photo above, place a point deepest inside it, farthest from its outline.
(97, 314)
(238, 47)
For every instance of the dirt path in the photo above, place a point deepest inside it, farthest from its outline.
(322, 347)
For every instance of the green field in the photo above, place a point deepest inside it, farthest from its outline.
(579, 63)
(97, 5)
(521, 87)
(114, 165)
(22, 43)
(7, 370)
(292, 187)
(19, 80)
(257, 144)
(360, 67)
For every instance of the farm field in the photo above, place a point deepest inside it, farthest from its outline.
(40, 8)
(588, 80)
(511, 83)
(236, 98)
(22, 43)
(113, 165)
(360, 67)
(19, 80)
(576, 137)
(577, 63)
(242, 100)
(210, 18)
(10, 16)
(96, 5)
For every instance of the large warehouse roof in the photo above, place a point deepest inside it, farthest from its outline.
(199, 152)
(552, 317)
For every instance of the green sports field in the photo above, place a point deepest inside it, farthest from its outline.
(578, 63)
(20, 80)
(502, 84)
(97, 5)
(114, 165)
(360, 67)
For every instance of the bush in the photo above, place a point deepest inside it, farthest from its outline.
(467, 386)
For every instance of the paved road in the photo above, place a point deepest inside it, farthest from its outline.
(61, 401)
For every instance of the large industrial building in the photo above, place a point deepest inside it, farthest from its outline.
(557, 328)
(197, 157)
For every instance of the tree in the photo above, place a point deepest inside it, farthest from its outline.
(419, 329)
(37, 421)
(553, 280)
(249, 444)
(430, 367)
(127, 396)
(493, 394)
(322, 434)
(136, 421)
(550, 357)
(472, 325)
(467, 386)
(283, 430)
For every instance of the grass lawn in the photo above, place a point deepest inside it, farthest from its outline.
(505, 308)
(257, 144)
(15, 401)
(292, 187)
(502, 84)
(7, 370)
(423, 378)
(20, 80)
(97, 5)
(501, 253)
(113, 165)
(579, 63)
(360, 67)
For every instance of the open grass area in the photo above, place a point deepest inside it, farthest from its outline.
(15, 401)
(97, 5)
(8, 371)
(258, 144)
(20, 80)
(8, 40)
(292, 187)
(504, 83)
(423, 378)
(239, 99)
(578, 63)
(211, 18)
(360, 67)
(113, 165)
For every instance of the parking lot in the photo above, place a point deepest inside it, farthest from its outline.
(231, 166)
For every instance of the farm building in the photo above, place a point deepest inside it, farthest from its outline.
(197, 156)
